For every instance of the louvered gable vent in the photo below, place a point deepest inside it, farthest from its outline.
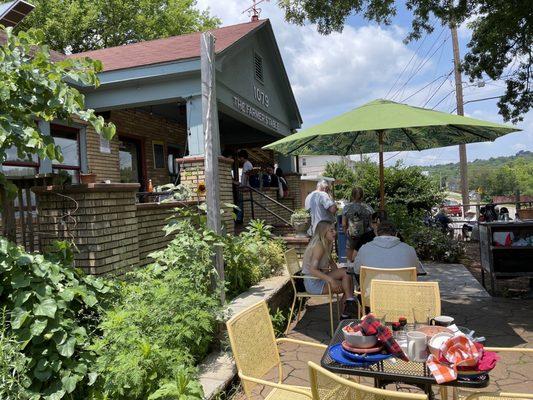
(258, 65)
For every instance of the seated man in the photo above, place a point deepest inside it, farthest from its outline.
(386, 251)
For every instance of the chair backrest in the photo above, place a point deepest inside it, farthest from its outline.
(326, 385)
(366, 275)
(500, 396)
(253, 343)
(292, 261)
(417, 301)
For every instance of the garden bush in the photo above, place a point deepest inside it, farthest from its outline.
(403, 185)
(250, 257)
(52, 313)
(430, 243)
(162, 323)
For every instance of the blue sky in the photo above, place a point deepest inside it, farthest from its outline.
(333, 74)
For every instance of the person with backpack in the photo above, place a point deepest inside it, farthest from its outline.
(356, 223)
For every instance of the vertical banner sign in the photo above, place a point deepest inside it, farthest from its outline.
(212, 146)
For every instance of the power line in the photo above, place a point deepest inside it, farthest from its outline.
(408, 63)
(430, 83)
(421, 65)
(436, 91)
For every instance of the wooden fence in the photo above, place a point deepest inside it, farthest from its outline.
(19, 211)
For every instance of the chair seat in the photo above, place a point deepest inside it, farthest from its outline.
(281, 394)
(305, 294)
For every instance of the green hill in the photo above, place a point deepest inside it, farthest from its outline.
(496, 176)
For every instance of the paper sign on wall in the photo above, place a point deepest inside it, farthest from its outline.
(105, 146)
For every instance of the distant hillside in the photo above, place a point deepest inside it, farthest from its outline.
(496, 176)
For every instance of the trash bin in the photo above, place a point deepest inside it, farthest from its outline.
(341, 241)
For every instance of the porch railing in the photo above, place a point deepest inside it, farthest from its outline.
(20, 223)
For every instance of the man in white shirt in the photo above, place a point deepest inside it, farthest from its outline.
(320, 205)
(246, 167)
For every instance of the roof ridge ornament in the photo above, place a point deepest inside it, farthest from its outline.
(253, 11)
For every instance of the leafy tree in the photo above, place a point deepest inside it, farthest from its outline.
(502, 35)
(81, 25)
(33, 88)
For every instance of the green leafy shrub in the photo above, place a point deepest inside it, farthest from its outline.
(250, 257)
(14, 380)
(279, 321)
(429, 243)
(163, 321)
(403, 185)
(53, 311)
(433, 244)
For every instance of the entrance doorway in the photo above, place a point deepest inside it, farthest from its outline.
(131, 165)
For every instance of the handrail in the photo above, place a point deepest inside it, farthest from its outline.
(271, 212)
(269, 198)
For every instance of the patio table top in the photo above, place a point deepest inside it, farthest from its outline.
(393, 370)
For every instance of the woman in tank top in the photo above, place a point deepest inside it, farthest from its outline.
(317, 262)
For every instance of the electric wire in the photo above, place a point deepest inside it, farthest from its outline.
(422, 63)
(430, 83)
(408, 63)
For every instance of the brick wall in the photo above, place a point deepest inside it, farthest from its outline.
(294, 184)
(151, 219)
(140, 125)
(298, 243)
(150, 128)
(100, 219)
(193, 173)
(112, 233)
(261, 213)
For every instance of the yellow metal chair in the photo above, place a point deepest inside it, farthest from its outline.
(326, 385)
(418, 301)
(367, 274)
(294, 268)
(497, 395)
(255, 349)
(500, 396)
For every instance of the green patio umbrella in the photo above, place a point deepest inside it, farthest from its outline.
(384, 125)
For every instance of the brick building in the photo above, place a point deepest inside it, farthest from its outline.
(151, 91)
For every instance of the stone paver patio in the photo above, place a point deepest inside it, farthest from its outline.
(504, 323)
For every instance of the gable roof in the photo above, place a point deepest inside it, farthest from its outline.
(168, 49)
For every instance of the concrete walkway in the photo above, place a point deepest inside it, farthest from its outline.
(504, 322)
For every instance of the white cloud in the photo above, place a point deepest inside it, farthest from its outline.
(329, 74)
(333, 74)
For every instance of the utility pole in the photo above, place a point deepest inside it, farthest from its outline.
(463, 168)
(212, 147)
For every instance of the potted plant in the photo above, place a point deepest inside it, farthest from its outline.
(89, 177)
(300, 221)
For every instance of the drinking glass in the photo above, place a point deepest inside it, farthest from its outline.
(421, 317)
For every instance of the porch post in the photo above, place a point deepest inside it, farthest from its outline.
(195, 132)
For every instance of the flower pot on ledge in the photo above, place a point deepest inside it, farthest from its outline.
(301, 225)
(87, 178)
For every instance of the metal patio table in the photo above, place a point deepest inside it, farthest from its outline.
(394, 370)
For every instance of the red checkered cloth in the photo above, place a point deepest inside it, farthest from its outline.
(371, 326)
(456, 351)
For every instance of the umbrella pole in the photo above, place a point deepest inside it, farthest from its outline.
(381, 175)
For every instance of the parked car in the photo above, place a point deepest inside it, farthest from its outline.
(452, 207)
